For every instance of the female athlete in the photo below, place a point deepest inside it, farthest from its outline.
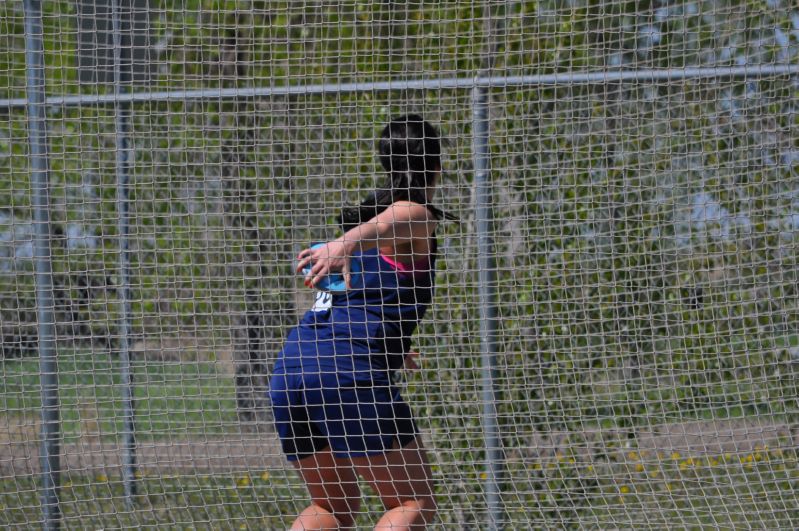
(336, 410)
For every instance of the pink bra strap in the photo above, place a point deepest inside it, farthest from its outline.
(399, 266)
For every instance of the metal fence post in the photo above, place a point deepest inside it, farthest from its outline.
(486, 263)
(40, 202)
(123, 149)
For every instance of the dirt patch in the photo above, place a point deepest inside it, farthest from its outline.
(16, 429)
(698, 438)
(185, 349)
(174, 349)
(89, 454)
(94, 458)
(719, 437)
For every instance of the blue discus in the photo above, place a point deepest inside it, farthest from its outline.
(333, 283)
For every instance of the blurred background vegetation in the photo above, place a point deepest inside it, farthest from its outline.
(645, 231)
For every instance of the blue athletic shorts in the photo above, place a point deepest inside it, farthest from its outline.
(313, 411)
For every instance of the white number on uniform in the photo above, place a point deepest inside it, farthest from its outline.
(323, 301)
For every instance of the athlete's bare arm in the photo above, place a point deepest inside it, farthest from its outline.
(403, 228)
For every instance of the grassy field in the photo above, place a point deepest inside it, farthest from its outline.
(196, 401)
(657, 490)
(754, 490)
(171, 398)
(168, 502)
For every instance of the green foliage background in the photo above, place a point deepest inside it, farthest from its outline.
(619, 311)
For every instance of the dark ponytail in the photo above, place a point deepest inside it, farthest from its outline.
(410, 152)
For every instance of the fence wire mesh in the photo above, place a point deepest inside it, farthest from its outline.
(643, 245)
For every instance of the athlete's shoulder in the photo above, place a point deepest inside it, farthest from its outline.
(412, 211)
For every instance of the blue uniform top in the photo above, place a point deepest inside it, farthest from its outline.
(362, 334)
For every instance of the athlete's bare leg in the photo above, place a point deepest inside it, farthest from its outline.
(403, 480)
(335, 496)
